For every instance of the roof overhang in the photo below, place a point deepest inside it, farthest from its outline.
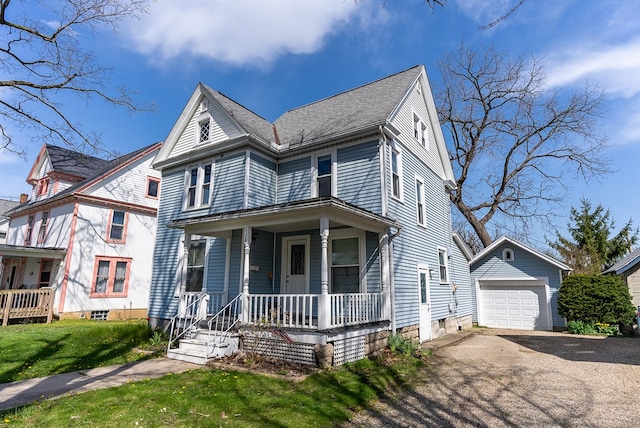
(38, 252)
(300, 215)
(505, 239)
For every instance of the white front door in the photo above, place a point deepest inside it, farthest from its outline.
(425, 303)
(295, 265)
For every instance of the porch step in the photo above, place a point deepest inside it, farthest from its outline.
(203, 346)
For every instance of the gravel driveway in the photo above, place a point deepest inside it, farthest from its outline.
(498, 378)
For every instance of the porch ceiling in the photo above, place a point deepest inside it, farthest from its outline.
(299, 215)
(39, 252)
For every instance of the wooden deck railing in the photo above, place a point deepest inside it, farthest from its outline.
(26, 304)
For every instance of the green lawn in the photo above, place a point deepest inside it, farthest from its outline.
(198, 398)
(36, 350)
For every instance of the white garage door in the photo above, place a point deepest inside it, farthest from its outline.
(514, 304)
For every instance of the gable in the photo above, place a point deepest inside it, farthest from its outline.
(227, 120)
(221, 128)
(418, 104)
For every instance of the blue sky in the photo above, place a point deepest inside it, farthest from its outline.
(276, 55)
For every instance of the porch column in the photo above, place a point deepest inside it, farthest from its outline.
(185, 263)
(246, 238)
(384, 267)
(324, 301)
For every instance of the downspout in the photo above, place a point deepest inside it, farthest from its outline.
(392, 282)
(392, 291)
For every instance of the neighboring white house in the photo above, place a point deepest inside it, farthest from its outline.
(86, 231)
(5, 205)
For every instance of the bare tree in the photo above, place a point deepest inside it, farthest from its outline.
(512, 140)
(41, 63)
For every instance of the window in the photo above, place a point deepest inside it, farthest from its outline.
(195, 264)
(27, 235)
(43, 186)
(206, 185)
(153, 187)
(199, 186)
(396, 173)
(45, 272)
(324, 175)
(443, 265)
(204, 131)
(420, 207)
(420, 131)
(42, 233)
(507, 255)
(117, 227)
(111, 277)
(345, 265)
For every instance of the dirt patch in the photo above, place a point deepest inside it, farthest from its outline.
(260, 364)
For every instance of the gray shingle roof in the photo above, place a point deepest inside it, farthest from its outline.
(357, 109)
(6, 205)
(360, 108)
(99, 169)
(74, 163)
(251, 122)
(628, 261)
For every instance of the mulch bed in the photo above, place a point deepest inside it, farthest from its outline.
(260, 364)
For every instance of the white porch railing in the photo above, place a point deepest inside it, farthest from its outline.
(301, 311)
(355, 308)
(283, 310)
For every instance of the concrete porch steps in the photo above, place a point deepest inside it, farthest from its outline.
(202, 346)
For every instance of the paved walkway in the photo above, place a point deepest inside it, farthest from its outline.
(23, 392)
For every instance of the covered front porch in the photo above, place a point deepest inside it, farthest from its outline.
(310, 272)
(26, 276)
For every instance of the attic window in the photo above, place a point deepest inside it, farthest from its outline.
(507, 255)
(204, 131)
(419, 88)
(204, 105)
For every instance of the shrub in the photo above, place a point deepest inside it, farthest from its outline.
(580, 327)
(595, 299)
(397, 343)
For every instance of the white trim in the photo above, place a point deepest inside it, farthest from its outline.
(515, 282)
(512, 241)
(227, 270)
(422, 196)
(423, 130)
(362, 257)
(423, 268)
(395, 147)
(247, 171)
(197, 203)
(285, 259)
(446, 265)
(508, 255)
(383, 173)
(205, 118)
(334, 171)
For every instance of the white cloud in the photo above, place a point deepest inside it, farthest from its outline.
(616, 68)
(239, 32)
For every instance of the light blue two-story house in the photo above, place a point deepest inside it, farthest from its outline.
(320, 233)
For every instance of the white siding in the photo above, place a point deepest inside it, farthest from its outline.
(90, 241)
(222, 128)
(129, 184)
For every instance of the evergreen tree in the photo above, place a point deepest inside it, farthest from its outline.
(590, 249)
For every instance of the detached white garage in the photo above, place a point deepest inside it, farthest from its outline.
(516, 287)
(517, 304)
